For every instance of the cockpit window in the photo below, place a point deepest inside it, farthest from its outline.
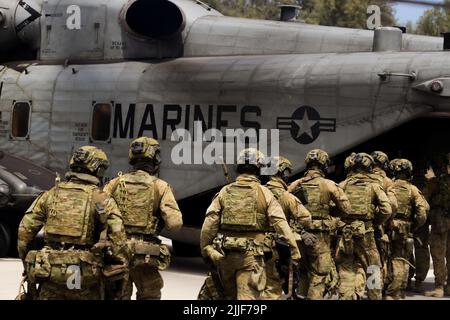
(101, 122)
(20, 120)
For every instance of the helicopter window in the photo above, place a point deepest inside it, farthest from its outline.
(101, 122)
(20, 120)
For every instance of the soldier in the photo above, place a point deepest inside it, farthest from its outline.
(440, 230)
(148, 205)
(321, 192)
(421, 258)
(380, 168)
(78, 218)
(357, 248)
(234, 229)
(411, 214)
(297, 216)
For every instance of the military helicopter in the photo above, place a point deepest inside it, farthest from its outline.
(102, 73)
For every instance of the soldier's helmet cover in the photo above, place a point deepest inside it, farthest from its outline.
(145, 149)
(317, 156)
(401, 165)
(349, 161)
(363, 160)
(251, 156)
(381, 159)
(282, 164)
(90, 158)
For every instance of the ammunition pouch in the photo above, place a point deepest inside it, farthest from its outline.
(325, 225)
(149, 253)
(400, 229)
(55, 265)
(409, 246)
(241, 244)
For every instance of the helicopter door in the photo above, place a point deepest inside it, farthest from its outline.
(73, 31)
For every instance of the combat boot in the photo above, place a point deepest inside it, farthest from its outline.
(438, 292)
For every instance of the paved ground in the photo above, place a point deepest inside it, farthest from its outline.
(182, 281)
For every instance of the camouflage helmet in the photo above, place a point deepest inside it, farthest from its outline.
(91, 159)
(401, 165)
(349, 161)
(317, 156)
(144, 148)
(381, 159)
(251, 156)
(363, 160)
(283, 164)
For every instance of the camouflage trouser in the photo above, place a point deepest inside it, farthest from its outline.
(421, 258)
(210, 290)
(273, 289)
(351, 267)
(52, 291)
(399, 268)
(243, 275)
(440, 249)
(315, 267)
(148, 282)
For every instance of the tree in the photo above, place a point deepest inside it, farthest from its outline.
(342, 13)
(345, 13)
(434, 21)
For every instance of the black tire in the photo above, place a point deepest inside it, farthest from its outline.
(182, 249)
(5, 240)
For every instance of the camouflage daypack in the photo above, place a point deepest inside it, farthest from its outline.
(69, 218)
(359, 193)
(403, 195)
(135, 196)
(318, 209)
(240, 209)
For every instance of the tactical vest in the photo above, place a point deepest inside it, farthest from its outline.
(318, 209)
(403, 195)
(135, 197)
(240, 210)
(277, 193)
(359, 194)
(70, 216)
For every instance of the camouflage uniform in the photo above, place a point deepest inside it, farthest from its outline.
(357, 248)
(298, 218)
(422, 257)
(381, 165)
(76, 215)
(317, 262)
(440, 233)
(237, 221)
(410, 214)
(147, 205)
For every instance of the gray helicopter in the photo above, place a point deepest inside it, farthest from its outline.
(104, 72)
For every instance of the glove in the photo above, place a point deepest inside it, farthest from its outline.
(214, 255)
(308, 238)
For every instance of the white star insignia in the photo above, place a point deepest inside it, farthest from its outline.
(304, 126)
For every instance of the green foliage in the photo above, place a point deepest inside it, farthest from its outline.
(342, 13)
(434, 21)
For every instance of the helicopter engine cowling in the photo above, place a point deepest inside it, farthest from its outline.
(20, 25)
(152, 20)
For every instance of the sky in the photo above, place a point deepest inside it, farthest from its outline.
(406, 12)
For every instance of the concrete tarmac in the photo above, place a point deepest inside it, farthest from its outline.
(182, 281)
